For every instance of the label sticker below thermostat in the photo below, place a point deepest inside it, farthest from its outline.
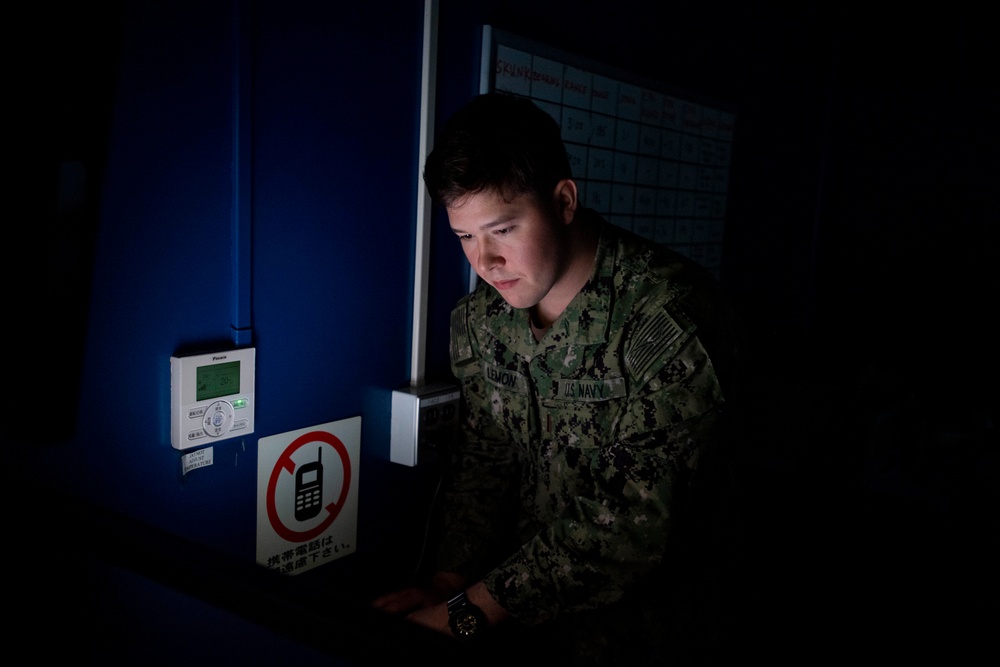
(197, 459)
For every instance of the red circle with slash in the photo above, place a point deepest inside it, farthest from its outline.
(285, 463)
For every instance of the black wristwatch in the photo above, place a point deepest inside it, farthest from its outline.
(466, 619)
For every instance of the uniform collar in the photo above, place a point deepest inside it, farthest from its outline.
(585, 320)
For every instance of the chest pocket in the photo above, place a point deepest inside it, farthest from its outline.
(509, 394)
(582, 413)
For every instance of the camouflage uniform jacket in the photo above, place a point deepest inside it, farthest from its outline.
(586, 438)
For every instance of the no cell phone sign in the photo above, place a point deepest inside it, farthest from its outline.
(307, 496)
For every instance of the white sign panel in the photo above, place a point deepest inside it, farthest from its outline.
(307, 496)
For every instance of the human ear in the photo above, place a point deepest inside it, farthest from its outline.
(566, 199)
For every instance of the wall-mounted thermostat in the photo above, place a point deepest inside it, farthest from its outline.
(211, 397)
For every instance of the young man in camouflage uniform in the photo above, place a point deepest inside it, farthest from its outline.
(590, 364)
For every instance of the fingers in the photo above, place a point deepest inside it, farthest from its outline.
(403, 601)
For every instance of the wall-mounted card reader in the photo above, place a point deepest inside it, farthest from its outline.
(211, 397)
(425, 417)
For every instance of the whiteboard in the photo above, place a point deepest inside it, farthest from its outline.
(648, 157)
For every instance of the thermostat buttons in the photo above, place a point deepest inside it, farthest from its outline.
(218, 419)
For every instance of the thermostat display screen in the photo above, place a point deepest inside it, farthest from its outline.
(216, 380)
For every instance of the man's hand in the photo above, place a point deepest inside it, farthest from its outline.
(434, 618)
(406, 600)
(442, 587)
(428, 606)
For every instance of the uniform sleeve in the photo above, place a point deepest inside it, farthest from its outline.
(481, 494)
(612, 534)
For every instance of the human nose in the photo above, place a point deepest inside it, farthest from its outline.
(489, 258)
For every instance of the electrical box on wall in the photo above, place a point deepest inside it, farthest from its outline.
(422, 418)
(211, 397)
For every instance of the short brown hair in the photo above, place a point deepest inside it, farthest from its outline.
(498, 142)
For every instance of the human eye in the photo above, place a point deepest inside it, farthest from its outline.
(503, 231)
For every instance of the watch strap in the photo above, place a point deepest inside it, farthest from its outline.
(457, 602)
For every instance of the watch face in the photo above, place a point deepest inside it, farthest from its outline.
(465, 623)
(464, 617)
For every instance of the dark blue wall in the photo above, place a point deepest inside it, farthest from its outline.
(297, 122)
(332, 187)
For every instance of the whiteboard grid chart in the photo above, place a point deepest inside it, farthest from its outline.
(646, 157)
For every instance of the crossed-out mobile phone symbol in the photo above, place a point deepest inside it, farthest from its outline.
(308, 481)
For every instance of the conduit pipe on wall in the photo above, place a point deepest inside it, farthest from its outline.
(241, 221)
(422, 254)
